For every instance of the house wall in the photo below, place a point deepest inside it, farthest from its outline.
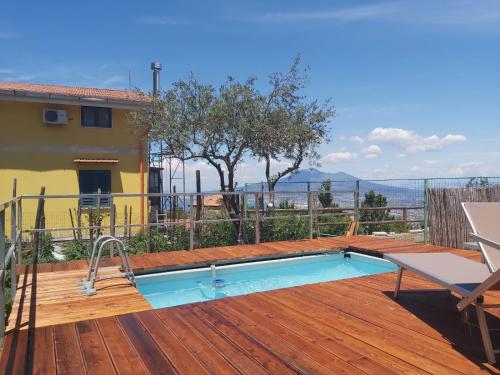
(38, 154)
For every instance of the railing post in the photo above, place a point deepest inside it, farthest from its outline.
(173, 199)
(426, 211)
(13, 212)
(310, 209)
(125, 222)
(79, 220)
(112, 224)
(13, 242)
(148, 227)
(241, 205)
(356, 204)
(257, 218)
(245, 200)
(191, 223)
(20, 229)
(2, 273)
(98, 217)
(38, 225)
(405, 220)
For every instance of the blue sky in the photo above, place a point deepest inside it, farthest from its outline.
(416, 84)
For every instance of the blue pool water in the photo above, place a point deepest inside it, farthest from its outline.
(182, 287)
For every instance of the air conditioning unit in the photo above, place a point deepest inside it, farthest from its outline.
(55, 116)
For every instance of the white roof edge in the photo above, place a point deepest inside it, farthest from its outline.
(28, 96)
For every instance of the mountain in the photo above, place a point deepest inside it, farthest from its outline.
(315, 175)
(398, 192)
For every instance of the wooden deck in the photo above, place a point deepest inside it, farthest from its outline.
(343, 327)
(54, 298)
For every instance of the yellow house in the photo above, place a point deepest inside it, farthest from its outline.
(71, 140)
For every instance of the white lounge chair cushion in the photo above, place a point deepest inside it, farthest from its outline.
(451, 271)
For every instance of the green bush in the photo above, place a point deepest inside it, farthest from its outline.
(337, 229)
(285, 229)
(218, 234)
(76, 250)
(174, 238)
(45, 254)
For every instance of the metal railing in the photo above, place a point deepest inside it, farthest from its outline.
(255, 208)
(10, 254)
(408, 205)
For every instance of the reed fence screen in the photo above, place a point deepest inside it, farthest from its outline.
(448, 224)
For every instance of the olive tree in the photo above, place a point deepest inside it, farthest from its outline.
(223, 125)
(292, 125)
(197, 122)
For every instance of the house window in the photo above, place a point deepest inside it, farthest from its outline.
(90, 182)
(96, 117)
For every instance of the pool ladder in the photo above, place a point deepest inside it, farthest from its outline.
(92, 274)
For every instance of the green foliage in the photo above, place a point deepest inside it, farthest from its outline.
(218, 234)
(325, 196)
(46, 248)
(338, 227)
(223, 125)
(8, 296)
(375, 200)
(478, 182)
(174, 238)
(95, 219)
(285, 229)
(77, 250)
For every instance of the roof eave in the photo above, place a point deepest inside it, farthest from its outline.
(26, 96)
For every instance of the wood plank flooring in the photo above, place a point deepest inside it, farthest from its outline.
(53, 297)
(350, 326)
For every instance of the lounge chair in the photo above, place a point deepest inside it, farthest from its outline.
(467, 278)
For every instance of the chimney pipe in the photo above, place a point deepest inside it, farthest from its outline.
(156, 68)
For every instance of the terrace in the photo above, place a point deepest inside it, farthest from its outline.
(351, 325)
(346, 326)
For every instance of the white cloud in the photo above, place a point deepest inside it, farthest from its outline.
(402, 155)
(336, 157)
(352, 138)
(371, 152)
(479, 14)
(7, 71)
(350, 14)
(411, 142)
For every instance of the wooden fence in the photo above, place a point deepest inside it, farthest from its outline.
(448, 225)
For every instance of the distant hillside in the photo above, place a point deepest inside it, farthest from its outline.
(344, 184)
(315, 175)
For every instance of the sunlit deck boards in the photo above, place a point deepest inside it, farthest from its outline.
(346, 326)
(154, 261)
(56, 299)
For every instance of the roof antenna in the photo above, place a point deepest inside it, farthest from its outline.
(129, 80)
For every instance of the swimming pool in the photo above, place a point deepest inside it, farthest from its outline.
(206, 284)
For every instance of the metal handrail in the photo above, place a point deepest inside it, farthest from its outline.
(92, 274)
(94, 249)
